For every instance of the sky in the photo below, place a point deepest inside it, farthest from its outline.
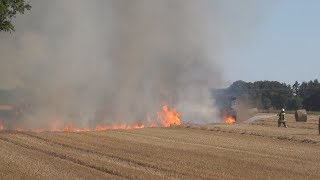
(285, 46)
(277, 40)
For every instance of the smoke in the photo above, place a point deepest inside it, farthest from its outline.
(115, 61)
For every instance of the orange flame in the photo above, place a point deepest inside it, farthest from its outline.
(165, 118)
(150, 122)
(229, 120)
(1, 127)
(169, 116)
(70, 128)
(120, 126)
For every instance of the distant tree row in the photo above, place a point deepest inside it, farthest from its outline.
(271, 95)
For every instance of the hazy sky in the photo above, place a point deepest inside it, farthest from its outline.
(265, 39)
(285, 47)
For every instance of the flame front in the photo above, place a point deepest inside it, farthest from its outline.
(229, 120)
(121, 126)
(168, 116)
(165, 118)
(70, 128)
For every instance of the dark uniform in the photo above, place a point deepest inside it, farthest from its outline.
(282, 119)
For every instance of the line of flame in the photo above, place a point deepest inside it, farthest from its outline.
(167, 117)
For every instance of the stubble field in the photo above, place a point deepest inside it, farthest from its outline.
(237, 151)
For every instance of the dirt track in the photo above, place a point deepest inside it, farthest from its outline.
(246, 151)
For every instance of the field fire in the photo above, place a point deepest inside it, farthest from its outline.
(229, 120)
(165, 118)
(159, 89)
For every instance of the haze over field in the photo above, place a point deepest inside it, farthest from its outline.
(124, 57)
(136, 89)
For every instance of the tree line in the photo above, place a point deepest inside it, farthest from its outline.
(271, 95)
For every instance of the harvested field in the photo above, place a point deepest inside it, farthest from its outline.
(246, 151)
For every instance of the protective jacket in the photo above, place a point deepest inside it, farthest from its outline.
(281, 117)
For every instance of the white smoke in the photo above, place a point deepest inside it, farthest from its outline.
(121, 57)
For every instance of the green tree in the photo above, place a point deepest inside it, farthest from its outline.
(294, 103)
(295, 88)
(8, 10)
(310, 93)
(266, 103)
(273, 94)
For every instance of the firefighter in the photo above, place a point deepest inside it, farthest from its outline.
(282, 119)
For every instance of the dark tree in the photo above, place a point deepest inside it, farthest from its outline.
(271, 94)
(295, 88)
(310, 93)
(8, 11)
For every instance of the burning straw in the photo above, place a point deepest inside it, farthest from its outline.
(115, 61)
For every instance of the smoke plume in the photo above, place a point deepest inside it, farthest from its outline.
(117, 61)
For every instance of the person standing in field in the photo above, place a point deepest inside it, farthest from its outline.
(282, 119)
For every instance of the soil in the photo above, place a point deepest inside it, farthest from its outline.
(254, 150)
